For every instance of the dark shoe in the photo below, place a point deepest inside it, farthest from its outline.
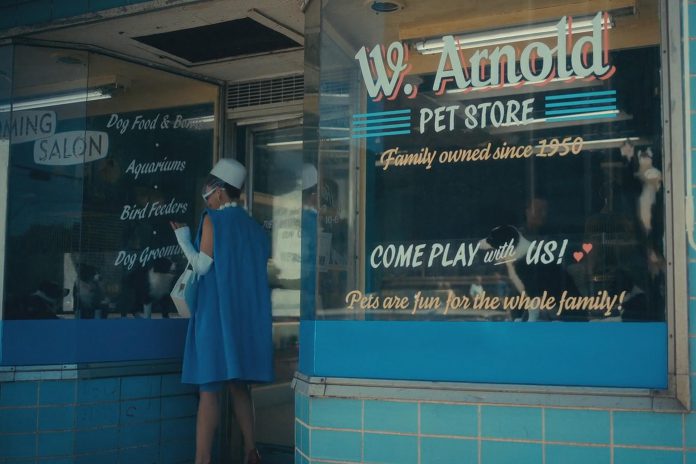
(253, 457)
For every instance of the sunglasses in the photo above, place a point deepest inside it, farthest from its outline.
(212, 190)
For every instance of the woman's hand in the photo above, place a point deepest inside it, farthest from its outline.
(177, 225)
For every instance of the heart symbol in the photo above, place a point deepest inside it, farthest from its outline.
(578, 255)
(587, 247)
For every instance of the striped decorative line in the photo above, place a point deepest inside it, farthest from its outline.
(382, 127)
(581, 117)
(381, 113)
(378, 124)
(580, 102)
(602, 93)
(375, 121)
(379, 134)
(580, 110)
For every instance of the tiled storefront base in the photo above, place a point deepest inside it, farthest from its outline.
(360, 429)
(129, 420)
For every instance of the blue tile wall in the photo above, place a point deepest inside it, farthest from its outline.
(96, 415)
(449, 419)
(136, 411)
(647, 456)
(690, 430)
(501, 452)
(141, 387)
(119, 420)
(18, 445)
(19, 393)
(139, 435)
(56, 443)
(647, 429)
(177, 452)
(299, 446)
(447, 450)
(140, 455)
(92, 441)
(181, 406)
(177, 429)
(57, 392)
(302, 407)
(171, 385)
(390, 449)
(17, 420)
(511, 422)
(335, 445)
(561, 454)
(577, 426)
(391, 416)
(98, 458)
(452, 433)
(335, 413)
(56, 418)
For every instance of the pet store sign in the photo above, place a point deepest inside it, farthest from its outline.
(384, 71)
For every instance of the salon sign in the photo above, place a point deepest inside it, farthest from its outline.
(384, 69)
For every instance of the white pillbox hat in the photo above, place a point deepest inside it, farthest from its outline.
(309, 176)
(231, 171)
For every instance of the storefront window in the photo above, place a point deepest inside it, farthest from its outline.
(493, 169)
(512, 164)
(103, 154)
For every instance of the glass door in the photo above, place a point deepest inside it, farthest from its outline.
(274, 198)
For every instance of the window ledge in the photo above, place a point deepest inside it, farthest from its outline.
(89, 371)
(519, 395)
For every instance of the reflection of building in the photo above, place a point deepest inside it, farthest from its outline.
(373, 384)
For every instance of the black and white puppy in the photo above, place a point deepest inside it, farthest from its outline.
(89, 293)
(151, 287)
(532, 279)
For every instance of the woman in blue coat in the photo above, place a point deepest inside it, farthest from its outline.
(228, 344)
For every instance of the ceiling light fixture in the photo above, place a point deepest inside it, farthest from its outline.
(386, 7)
(62, 99)
(507, 35)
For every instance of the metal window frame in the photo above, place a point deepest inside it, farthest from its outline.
(677, 396)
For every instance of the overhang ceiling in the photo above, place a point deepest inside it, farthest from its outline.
(191, 36)
(188, 37)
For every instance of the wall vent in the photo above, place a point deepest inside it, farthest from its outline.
(265, 92)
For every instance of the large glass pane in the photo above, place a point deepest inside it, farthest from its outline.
(104, 154)
(280, 189)
(511, 165)
(160, 133)
(47, 146)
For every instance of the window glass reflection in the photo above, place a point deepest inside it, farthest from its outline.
(104, 153)
(278, 193)
(502, 180)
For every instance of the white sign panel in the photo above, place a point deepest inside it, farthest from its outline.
(27, 126)
(74, 147)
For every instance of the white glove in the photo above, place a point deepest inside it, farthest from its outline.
(199, 261)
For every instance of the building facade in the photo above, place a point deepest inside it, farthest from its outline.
(481, 218)
(444, 343)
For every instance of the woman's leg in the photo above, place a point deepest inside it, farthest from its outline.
(206, 423)
(244, 410)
